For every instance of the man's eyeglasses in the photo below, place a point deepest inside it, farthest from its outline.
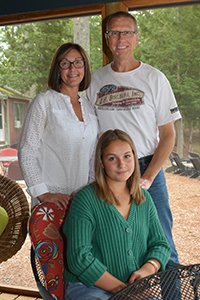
(66, 64)
(116, 34)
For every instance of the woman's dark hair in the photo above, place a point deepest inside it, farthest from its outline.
(54, 79)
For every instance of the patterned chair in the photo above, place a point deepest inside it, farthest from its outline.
(47, 249)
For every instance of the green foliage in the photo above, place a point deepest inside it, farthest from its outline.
(96, 53)
(27, 52)
(170, 41)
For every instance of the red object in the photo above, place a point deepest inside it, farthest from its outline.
(8, 152)
(45, 229)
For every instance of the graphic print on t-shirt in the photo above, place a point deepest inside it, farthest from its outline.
(119, 97)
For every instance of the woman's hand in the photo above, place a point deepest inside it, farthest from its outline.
(61, 200)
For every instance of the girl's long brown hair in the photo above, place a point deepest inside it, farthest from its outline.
(133, 183)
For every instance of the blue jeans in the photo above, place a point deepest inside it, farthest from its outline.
(79, 291)
(159, 194)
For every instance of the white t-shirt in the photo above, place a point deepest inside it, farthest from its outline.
(56, 149)
(137, 102)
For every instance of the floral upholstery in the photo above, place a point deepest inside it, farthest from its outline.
(48, 242)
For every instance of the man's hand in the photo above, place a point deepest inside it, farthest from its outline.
(145, 183)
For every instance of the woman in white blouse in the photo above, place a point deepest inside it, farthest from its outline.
(60, 131)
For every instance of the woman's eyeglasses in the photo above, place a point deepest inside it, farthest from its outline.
(66, 64)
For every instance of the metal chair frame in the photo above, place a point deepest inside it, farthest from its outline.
(39, 277)
(176, 283)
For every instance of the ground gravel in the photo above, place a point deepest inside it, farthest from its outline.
(184, 195)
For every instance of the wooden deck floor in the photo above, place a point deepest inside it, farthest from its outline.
(19, 293)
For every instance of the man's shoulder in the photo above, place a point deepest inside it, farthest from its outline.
(153, 73)
(151, 68)
(101, 70)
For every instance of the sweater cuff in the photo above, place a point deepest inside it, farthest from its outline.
(92, 273)
(38, 189)
(163, 258)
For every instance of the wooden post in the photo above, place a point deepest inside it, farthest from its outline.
(107, 10)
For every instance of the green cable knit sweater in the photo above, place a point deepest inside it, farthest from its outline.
(99, 239)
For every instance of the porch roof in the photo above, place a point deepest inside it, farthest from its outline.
(7, 92)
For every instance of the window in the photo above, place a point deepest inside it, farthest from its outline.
(19, 114)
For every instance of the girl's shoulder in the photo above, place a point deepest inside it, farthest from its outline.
(85, 195)
(87, 189)
(147, 197)
(84, 202)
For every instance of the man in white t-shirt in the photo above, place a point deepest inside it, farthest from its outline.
(137, 98)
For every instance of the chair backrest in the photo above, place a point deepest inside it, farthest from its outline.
(193, 154)
(173, 168)
(177, 283)
(47, 254)
(196, 163)
(176, 158)
(8, 152)
(171, 158)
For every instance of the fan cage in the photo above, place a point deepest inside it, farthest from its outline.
(14, 201)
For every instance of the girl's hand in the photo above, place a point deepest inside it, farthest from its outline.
(118, 288)
(146, 270)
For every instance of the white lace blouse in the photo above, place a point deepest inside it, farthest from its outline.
(56, 149)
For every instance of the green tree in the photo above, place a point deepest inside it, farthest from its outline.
(27, 52)
(96, 52)
(169, 41)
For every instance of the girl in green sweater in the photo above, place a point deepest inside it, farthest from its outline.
(113, 233)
